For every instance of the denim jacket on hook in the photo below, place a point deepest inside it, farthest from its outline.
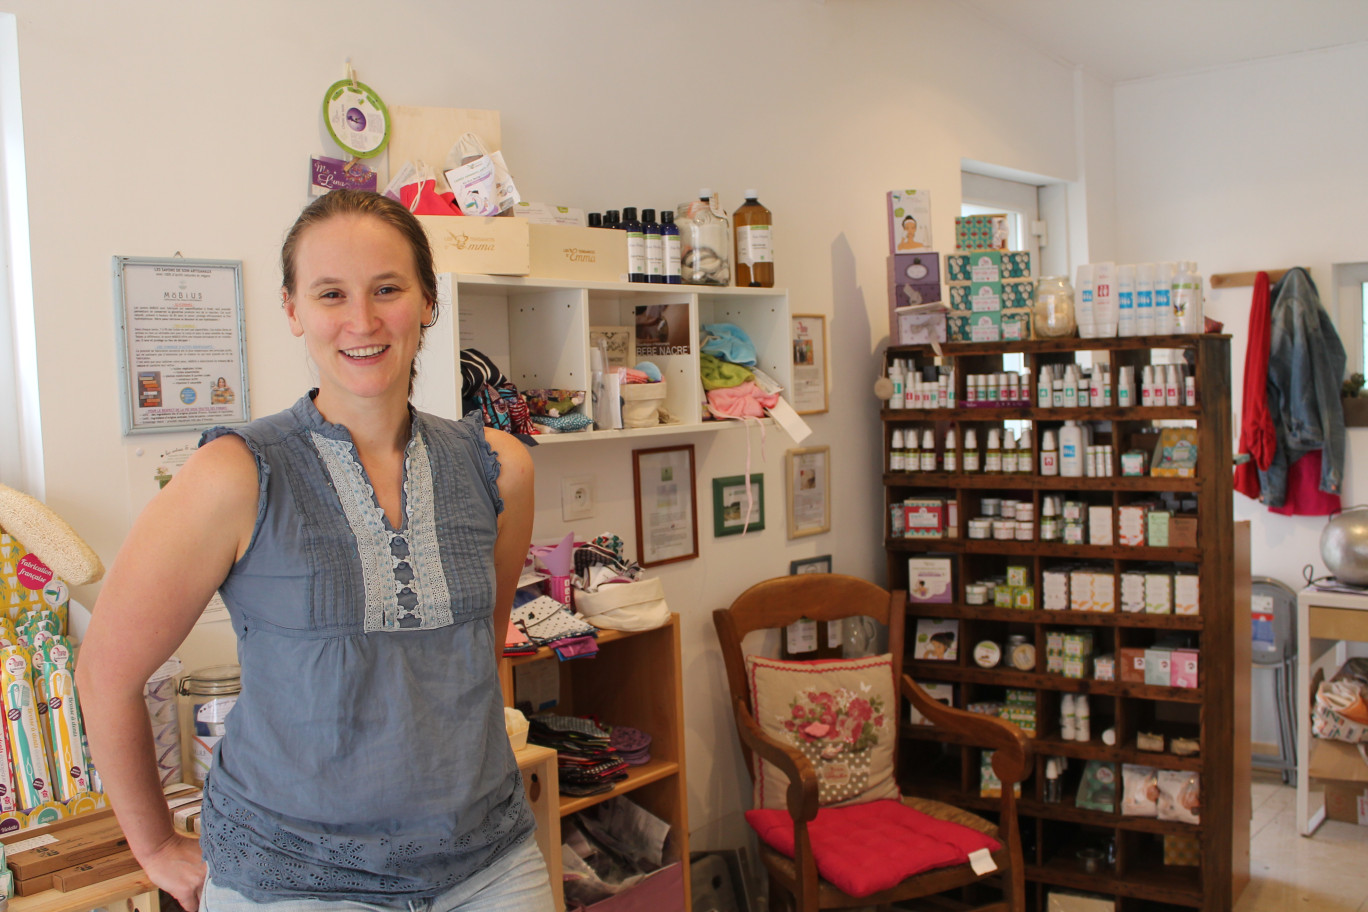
(1306, 363)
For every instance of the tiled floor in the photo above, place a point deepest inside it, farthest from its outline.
(1327, 872)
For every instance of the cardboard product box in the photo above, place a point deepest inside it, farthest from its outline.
(1183, 668)
(1080, 590)
(1186, 594)
(1183, 532)
(966, 326)
(924, 518)
(1018, 575)
(1347, 802)
(1054, 651)
(659, 891)
(920, 268)
(1130, 525)
(1078, 902)
(904, 235)
(1078, 644)
(1183, 850)
(1016, 325)
(1074, 511)
(427, 134)
(1023, 598)
(577, 254)
(1054, 586)
(1131, 665)
(930, 580)
(547, 214)
(1016, 264)
(979, 297)
(1104, 592)
(1100, 525)
(1133, 463)
(1157, 528)
(1158, 593)
(1158, 666)
(1104, 667)
(906, 294)
(977, 266)
(1018, 294)
(1133, 592)
(918, 327)
(981, 232)
(937, 639)
(1002, 595)
(482, 246)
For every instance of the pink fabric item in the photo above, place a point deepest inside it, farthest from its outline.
(1304, 496)
(865, 848)
(744, 401)
(632, 375)
(428, 200)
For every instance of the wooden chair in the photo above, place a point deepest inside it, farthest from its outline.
(776, 603)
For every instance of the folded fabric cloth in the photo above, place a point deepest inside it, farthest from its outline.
(728, 342)
(719, 374)
(632, 375)
(744, 401)
(576, 648)
(546, 620)
(565, 424)
(650, 370)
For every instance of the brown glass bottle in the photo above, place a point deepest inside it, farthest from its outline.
(754, 246)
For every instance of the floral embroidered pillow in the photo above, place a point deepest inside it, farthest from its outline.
(840, 713)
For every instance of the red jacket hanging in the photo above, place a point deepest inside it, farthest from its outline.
(1258, 437)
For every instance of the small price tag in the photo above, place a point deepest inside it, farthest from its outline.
(982, 862)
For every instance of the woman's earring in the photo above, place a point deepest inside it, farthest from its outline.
(433, 320)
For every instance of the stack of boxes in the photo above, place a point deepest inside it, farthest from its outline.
(991, 290)
(1019, 708)
(916, 309)
(1168, 663)
(1068, 653)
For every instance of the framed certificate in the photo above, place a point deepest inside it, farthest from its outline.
(809, 391)
(666, 504)
(182, 357)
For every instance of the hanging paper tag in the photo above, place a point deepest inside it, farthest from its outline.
(334, 174)
(981, 860)
(357, 119)
(792, 423)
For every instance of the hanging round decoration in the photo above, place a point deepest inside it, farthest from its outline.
(358, 120)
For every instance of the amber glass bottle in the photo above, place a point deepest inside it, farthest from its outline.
(754, 246)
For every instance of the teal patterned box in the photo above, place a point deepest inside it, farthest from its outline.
(1016, 264)
(967, 326)
(977, 266)
(1018, 293)
(981, 232)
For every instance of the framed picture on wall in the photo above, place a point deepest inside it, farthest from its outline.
(808, 485)
(809, 392)
(820, 564)
(737, 509)
(666, 504)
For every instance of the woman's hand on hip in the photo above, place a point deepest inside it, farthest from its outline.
(177, 867)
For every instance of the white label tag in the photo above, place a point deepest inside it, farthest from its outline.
(802, 637)
(14, 848)
(982, 862)
(792, 423)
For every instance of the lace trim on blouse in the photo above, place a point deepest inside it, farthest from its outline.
(406, 587)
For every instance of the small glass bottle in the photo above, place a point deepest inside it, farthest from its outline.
(928, 451)
(950, 459)
(655, 247)
(895, 452)
(636, 245)
(1009, 452)
(1025, 456)
(1054, 308)
(669, 236)
(1049, 455)
(911, 451)
(704, 241)
(971, 453)
(992, 460)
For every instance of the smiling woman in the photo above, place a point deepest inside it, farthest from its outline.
(368, 554)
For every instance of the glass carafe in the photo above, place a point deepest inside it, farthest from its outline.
(1054, 308)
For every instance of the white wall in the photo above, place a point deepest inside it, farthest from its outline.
(1251, 167)
(186, 127)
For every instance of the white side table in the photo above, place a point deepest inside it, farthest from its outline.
(1325, 620)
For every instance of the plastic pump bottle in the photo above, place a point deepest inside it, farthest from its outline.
(951, 459)
(895, 452)
(971, 453)
(1187, 299)
(1071, 450)
(1049, 455)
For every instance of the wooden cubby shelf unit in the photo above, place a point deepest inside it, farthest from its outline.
(1215, 713)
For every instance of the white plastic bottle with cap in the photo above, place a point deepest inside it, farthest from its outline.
(1125, 386)
(898, 378)
(992, 461)
(1163, 298)
(1125, 300)
(1070, 386)
(1144, 298)
(1045, 387)
(1071, 450)
(1147, 386)
(1049, 455)
(1083, 308)
(1187, 299)
(1173, 386)
(1104, 299)
(1082, 719)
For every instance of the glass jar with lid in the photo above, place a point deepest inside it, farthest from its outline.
(206, 697)
(1054, 308)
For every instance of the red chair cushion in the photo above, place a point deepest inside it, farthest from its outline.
(865, 848)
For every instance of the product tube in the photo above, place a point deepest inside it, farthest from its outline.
(26, 742)
(64, 722)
